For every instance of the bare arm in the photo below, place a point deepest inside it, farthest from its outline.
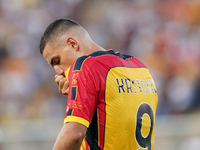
(72, 133)
(70, 136)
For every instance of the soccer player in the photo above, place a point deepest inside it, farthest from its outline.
(112, 98)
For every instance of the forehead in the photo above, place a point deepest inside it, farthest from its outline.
(52, 47)
(49, 52)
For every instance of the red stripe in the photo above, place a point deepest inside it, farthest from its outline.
(101, 110)
(86, 144)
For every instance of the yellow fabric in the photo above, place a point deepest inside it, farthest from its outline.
(77, 119)
(122, 105)
(67, 73)
(83, 145)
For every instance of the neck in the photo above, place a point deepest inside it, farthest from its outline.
(93, 47)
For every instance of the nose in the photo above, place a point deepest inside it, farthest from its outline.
(58, 70)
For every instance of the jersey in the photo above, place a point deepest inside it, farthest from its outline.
(115, 97)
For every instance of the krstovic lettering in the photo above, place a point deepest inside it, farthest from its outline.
(136, 86)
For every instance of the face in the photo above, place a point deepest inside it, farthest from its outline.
(61, 56)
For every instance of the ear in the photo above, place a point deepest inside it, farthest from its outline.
(72, 43)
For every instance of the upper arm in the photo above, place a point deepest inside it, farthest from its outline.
(83, 93)
(70, 136)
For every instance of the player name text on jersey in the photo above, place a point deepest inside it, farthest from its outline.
(126, 85)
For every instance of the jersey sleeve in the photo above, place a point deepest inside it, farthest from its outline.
(83, 92)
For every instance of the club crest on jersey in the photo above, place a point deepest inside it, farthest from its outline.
(74, 78)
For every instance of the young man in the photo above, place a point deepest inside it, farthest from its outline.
(112, 98)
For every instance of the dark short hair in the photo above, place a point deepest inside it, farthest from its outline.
(55, 29)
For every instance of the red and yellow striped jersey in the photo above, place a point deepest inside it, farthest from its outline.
(115, 97)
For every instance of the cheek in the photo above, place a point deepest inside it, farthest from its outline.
(68, 60)
(66, 63)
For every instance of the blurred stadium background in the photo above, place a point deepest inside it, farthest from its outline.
(164, 34)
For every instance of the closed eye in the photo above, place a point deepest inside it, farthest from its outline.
(55, 61)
